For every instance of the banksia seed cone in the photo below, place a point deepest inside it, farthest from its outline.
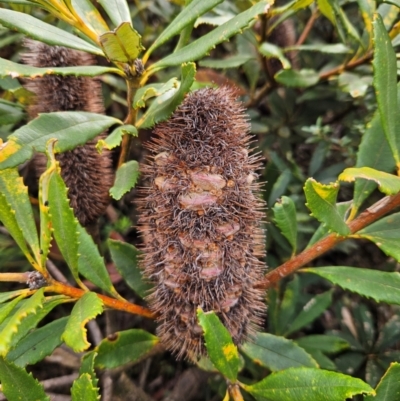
(201, 222)
(87, 174)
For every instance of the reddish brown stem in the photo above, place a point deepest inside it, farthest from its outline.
(73, 292)
(307, 28)
(369, 216)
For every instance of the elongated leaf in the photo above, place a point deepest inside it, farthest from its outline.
(89, 15)
(6, 308)
(7, 217)
(123, 347)
(64, 222)
(297, 79)
(43, 32)
(114, 139)
(374, 152)
(152, 90)
(385, 233)
(277, 353)
(285, 218)
(187, 16)
(229, 62)
(367, 8)
(123, 44)
(197, 49)
(385, 82)
(305, 384)
(31, 305)
(270, 50)
(162, 108)
(388, 388)
(19, 385)
(324, 343)
(125, 179)
(15, 70)
(16, 193)
(125, 257)
(5, 296)
(68, 127)
(87, 366)
(389, 184)
(117, 10)
(87, 308)
(313, 309)
(221, 350)
(381, 286)
(83, 389)
(337, 48)
(38, 344)
(321, 200)
(91, 264)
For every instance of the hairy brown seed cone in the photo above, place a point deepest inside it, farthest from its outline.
(201, 222)
(87, 174)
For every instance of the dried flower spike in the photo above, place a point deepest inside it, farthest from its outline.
(201, 222)
(87, 174)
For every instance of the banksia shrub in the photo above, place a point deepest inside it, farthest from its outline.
(87, 174)
(201, 221)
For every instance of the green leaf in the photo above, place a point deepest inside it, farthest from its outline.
(285, 218)
(321, 200)
(117, 10)
(65, 224)
(8, 218)
(269, 50)
(10, 113)
(324, 343)
(114, 139)
(83, 389)
(313, 309)
(123, 44)
(297, 79)
(5, 296)
(188, 15)
(277, 353)
(152, 90)
(336, 48)
(7, 308)
(381, 286)
(87, 366)
(43, 32)
(9, 330)
(388, 388)
(164, 105)
(15, 70)
(197, 49)
(385, 233)
(19, 385)
(91, 264)
(222, 351)
(38, 344)
(87, 308)
(123, 347)
(367, 8)
(125, 179)
(229, 62)
(305, 384)
(70, 128)
(16, 194)
(374, 152)
(389, 184)
(385, 82)
(89, 14)
(125, 257)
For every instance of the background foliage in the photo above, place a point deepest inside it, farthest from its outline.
(319, 79)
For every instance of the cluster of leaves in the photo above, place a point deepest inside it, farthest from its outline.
(325, 106)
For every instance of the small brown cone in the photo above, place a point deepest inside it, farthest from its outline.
(201, 222)
(87, 174)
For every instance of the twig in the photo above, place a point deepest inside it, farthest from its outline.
(369, 216)
(55, 272)
(57, 382)
(308, 28)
